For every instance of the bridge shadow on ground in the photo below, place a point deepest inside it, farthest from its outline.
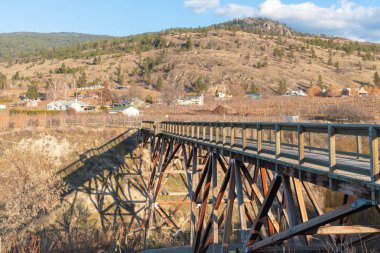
(109, 183)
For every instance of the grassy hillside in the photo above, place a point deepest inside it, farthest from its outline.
(236, 57)
(18, 44)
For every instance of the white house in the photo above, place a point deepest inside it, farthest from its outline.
(220, 95)
(2, 107)
(131, 112)
(61, 105)
(92, 87)
(80, 106)
(191, 100)
(299, 93)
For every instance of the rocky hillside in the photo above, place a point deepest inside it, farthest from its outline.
(258, 25)
(237, 56)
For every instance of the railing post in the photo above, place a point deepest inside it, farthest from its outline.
(244, 137)
(310, 142)
(232, 135)
(217, 133)
(332, 150)
(301, 145)
(277, 135)
(374, 158)
(211, 133)
(198, 132)
(224, 133)
(203, 132)
(259, 139)
(359, 146)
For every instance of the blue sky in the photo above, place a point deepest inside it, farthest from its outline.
(353, 19)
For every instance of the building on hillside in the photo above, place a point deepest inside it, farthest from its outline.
(346, 92)
(2, 107)
(131, 112)
(92, 87)
(118, 109)
(62, 105)
(361, 92)
(220, 95)
(80, 106)
(292, 118)
(297, 93)
(191, 100)
(253, 95)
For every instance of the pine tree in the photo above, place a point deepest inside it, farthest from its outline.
(282, 88)
(119, 75)
(159, 83)
(200, 85)
(82, 80)
(337, 65)
(376, 79)
(3, 81)
(189, 44)
(32, 92)
(253, 88)
(320, 82)
(330, 61)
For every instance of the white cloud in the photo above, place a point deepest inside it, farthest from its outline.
(200, 6)
(236, 11)
(345, 18)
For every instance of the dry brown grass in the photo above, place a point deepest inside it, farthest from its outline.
(349, 109)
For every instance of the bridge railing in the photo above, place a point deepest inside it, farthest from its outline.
(269, 139)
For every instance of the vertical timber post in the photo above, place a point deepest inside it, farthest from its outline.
(193, 206)
(359, 146)
(215, 225)
(259, 139)
(244, 137)
(332, 152)
(232, 135)
(241, 207)
(217, 134)
(301, 145)
(374, 159)
(224, 135)
(278, 141)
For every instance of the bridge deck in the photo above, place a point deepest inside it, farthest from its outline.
(358, 169)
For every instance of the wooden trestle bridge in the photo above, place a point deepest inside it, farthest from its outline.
(261, 186)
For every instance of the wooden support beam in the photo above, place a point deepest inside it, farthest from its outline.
(300, 199)
(214, 212)
(264, 183)
(316, 222)
(203, 207)
(193, 206)
(229, 209)
(346, 230)
(301, 205)
(241, 206)
(254, 233)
